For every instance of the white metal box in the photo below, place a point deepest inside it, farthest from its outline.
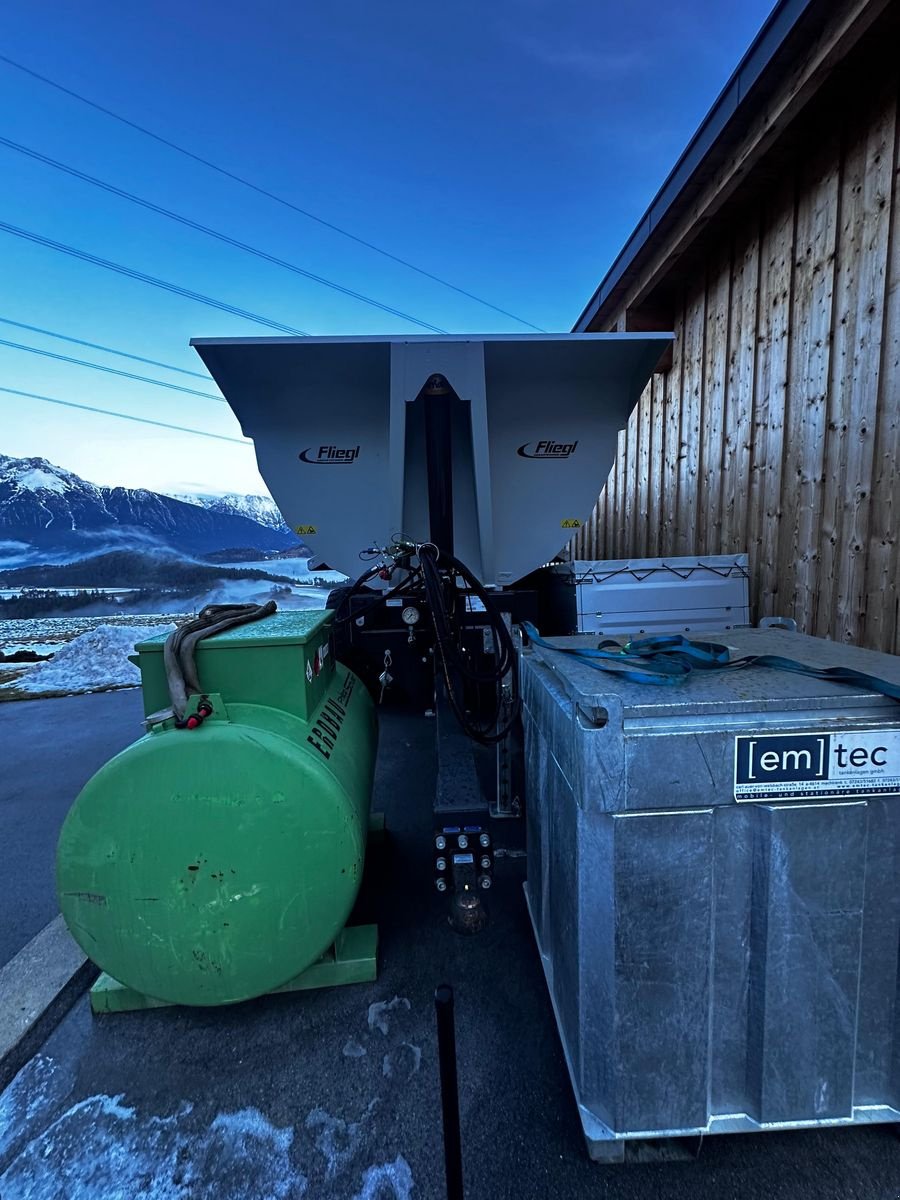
(662, 595)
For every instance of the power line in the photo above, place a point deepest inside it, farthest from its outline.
(108, 412)
(265, 192)
(80, 362)
(151, 362)
(213, 233)
(174, 288)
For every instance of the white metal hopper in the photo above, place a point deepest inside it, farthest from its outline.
(339, 433)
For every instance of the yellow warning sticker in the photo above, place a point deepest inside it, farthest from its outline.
(305, 530)
(570, 523)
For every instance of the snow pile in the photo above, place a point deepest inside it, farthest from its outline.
(97, 659)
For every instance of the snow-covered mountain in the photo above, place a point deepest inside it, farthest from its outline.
(261, 509)
(47, 508)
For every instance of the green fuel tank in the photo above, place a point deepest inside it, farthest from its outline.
(210, 865)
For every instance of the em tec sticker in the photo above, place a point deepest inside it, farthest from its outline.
(819, 765)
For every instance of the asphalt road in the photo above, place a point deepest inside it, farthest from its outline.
(334, 1094)
(48, 751)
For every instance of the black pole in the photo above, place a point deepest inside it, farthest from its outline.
(443, 1004)
(438, 397)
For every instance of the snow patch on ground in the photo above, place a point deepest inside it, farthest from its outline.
(101, 1147)
(29, 1100)
(106, 1147)
(338, 1141)
(387, 1181)
(380, 1012)
(97, 659)
(403, 1063)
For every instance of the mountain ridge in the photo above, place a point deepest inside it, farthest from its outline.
(47, 508)
(261, 509)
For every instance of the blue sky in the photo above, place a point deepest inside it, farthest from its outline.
(509, 148)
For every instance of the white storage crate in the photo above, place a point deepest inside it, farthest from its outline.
(662, 595)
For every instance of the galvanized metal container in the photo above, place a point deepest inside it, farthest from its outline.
(713, 882)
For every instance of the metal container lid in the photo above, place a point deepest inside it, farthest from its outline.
(280, 629)
(750, 689)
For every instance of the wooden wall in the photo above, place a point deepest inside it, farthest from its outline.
(777, 428)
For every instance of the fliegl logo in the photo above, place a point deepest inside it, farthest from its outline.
(329, 456)
(547, 449)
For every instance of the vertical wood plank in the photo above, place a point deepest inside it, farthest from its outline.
(867, 321)
(804, 462)
(849, 254)
(691, 403)
(631, 484)
(609, 533)
(642, 531)
(773, 364)
(583, 538)
(576, 543)
(712, 416)
(657, 464)
(669, 484)
(594, 544)
(588, 539)
(739, 389)
(621, 458)
(882, 581)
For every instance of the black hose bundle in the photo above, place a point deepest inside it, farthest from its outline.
(436, 575)
(439, 573)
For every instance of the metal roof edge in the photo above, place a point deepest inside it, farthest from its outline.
(778, 26)
(373, 339)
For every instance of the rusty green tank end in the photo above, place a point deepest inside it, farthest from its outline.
(352, 959)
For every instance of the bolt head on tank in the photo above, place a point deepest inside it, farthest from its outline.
(440, 842)
(484, 840)
(463, 842)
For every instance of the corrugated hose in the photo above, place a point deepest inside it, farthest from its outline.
(179, 651)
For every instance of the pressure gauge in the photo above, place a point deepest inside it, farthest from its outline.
(410, 615)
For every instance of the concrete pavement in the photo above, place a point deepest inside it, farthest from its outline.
(48, 751)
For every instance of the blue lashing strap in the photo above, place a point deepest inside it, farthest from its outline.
(671, 659)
